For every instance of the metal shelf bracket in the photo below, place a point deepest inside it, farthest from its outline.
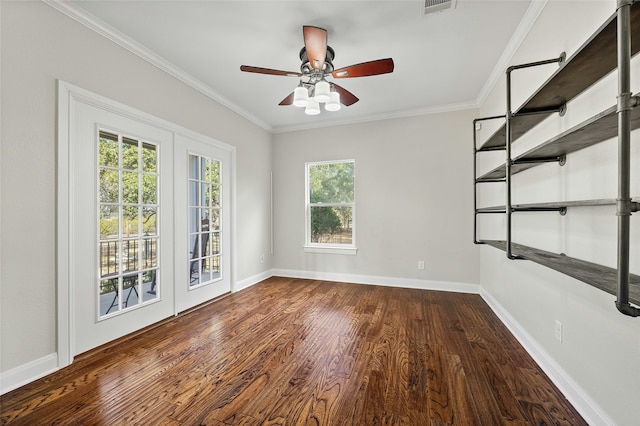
(561, 160)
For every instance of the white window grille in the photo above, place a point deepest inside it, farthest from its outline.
(128, 218)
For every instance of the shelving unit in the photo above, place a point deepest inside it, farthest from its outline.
(610, 47)
(596, 275)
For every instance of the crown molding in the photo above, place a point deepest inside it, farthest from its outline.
(80, 15)
(528, 20)
(378, 117)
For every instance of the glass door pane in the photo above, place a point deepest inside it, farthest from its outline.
(204, 220)
(128, 238)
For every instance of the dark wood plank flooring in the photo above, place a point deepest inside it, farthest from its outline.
(289, 351)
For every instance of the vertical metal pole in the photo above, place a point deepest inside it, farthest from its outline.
(475, 186)
(624, 154)
(508, 136)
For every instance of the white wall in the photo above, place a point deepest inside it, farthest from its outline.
(39, 46)
(600, 350)
(413, 198)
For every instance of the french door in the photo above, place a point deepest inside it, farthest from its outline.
(144, 220)
(202, 211)
(122, 220)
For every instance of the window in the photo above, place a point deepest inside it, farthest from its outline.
(204, 220)
(128, 222)
(330, 206)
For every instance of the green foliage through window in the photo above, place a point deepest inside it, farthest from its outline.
(331, 182)
(330, 202)
(128, 228)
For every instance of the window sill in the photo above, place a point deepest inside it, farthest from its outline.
(352, 251)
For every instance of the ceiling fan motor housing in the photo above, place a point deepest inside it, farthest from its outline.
(327, 67)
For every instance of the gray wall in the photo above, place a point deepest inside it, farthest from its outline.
(413, 197)
(39, 46)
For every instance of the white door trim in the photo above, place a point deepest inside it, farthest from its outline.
(68, 96)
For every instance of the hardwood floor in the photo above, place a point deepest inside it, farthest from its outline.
(290, 351)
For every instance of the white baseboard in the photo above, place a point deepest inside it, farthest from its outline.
(382, 281)
(248, 282)
(581, 401)
(27, 373)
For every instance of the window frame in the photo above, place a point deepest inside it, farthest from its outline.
(120, 275)
(329, 248)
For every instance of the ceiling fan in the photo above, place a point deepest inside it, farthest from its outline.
(317, 65)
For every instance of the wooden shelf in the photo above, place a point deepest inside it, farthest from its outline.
(552, 205)
(594, 130)
(578, 73)
(598, 276)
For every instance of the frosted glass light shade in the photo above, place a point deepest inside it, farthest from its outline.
(334, 102)
(300, 96)
(313, 108)
(322, 91)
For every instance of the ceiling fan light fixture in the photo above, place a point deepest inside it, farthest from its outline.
(300, 97)
(334, 102)
(317, 64)
(313, 108)
(322, 91)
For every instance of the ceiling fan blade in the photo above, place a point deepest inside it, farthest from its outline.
(380, 66)
(315, 42)
(288, 100)
(269, 71)
(346, 97)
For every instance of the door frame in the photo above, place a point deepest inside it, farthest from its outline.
(69, 96)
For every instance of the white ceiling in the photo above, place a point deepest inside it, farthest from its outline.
(443, 61)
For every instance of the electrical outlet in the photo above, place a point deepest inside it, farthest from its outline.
(558, 331)
(420, 264)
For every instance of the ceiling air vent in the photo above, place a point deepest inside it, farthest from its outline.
(431, 6)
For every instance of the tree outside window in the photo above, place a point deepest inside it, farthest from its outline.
(128, 237)
(330, 203)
